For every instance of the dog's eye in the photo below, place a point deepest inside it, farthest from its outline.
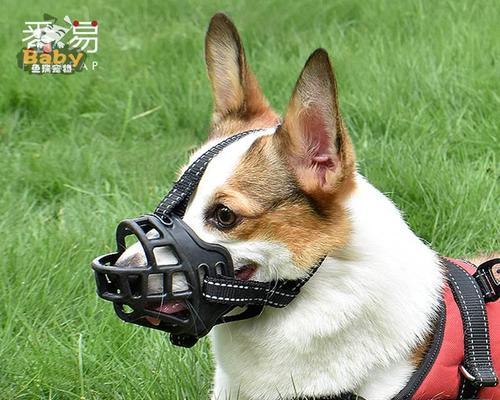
(225, 217)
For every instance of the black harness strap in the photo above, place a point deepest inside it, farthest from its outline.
(421, 373)
(477, 368)
(178, 198)
(488, 277)
(345, 396)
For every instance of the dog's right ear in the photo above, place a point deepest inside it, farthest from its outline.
(235, 89)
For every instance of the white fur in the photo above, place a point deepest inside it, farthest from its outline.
(354, 324)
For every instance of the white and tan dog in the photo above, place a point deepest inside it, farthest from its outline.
(278, 200)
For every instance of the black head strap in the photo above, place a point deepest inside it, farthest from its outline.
(178, 198)
(477, 368)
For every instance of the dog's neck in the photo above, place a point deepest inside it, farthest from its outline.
(354, 325)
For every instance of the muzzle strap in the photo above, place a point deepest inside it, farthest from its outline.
(241, 293)
(231, 291)
(178, 198)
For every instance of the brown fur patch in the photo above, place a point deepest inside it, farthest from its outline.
(264, 191)
(419, 353)
(232, 125)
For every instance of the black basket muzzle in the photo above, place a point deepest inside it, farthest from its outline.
(209, 289)
(128, 287)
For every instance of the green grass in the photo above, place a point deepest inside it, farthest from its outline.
(420, 90)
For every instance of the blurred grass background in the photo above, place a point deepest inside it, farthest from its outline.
(419, 84)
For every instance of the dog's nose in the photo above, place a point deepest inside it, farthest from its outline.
(134, 256)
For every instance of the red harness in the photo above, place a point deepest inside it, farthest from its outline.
(464, 356)
(444, 379)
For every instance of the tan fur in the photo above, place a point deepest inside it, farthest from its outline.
(264, 192)
(481, 258)
(239, 103)
(419, 353)
(231, 125)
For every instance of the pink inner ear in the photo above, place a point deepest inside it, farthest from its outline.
(318, 152)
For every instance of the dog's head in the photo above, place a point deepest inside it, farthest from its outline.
(274, 199)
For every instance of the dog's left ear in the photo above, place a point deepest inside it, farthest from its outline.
(236, 92)
(313, 139)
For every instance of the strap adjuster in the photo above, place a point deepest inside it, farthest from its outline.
(487, 276)
(483, 381)
(466, 374)
(470, 384)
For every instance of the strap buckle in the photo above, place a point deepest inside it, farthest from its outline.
(480, 380)
(487, 276)
(466, 374)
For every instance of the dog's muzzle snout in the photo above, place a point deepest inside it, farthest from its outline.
(164, 289)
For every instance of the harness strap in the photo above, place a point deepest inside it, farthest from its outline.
(344, 396)
(477, 368)
(488, 278)
(178, 198)
(274, 294)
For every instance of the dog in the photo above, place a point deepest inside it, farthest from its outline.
(280, 199)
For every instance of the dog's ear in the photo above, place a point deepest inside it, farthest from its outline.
(235, 89)
(313, 138)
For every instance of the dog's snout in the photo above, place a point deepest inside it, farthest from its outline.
(132, 257)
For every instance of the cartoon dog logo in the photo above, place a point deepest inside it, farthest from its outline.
(49, 37)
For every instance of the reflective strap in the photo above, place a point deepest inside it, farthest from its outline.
(344, 396)
(240, 293)
(468, 391)
(232, 291)
(178, 198)
(477, 366)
